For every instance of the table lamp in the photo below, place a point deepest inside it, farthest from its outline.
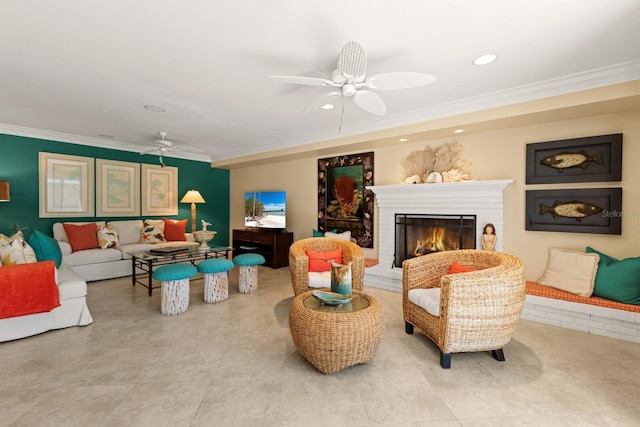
(4, 191)
(193, 197)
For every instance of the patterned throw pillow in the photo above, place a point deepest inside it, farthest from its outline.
(153, 233)
(15, 250)
(107, 236)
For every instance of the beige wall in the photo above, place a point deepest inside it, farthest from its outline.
(495, 155)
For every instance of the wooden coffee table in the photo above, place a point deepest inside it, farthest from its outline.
(335, 337)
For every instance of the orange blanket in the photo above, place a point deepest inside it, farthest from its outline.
(28, 288)
(534, 288)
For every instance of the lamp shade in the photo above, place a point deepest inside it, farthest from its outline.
(4, 191)
(192, 196)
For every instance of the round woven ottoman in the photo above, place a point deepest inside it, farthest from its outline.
(175, 287)
(335, 337)
(248, 266)
(216, 279)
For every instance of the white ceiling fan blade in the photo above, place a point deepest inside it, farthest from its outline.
(352, 61)
(151, 150)
(187, 149)
(310, 81)
(400, 80)
(326, 99)
(371, 102)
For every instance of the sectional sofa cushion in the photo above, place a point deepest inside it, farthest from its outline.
(45, 247)
(129, 231)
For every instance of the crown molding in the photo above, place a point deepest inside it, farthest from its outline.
(89, 141)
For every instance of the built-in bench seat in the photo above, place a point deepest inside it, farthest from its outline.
(594, 315)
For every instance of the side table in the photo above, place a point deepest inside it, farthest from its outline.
(332, 338)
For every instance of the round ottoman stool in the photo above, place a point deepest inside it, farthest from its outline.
(175, 287)
(248, 266)
(216, 279)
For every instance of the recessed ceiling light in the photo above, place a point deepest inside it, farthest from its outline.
(403, 139)
(327, 107)
(458, 131)
(485, 59)
(154, 108)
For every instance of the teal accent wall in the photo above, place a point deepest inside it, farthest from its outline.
(19, 166)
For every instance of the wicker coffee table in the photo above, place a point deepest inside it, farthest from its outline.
(335, 337)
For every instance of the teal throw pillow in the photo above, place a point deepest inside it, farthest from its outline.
(317, 233)
(617, 280)
(45, 247)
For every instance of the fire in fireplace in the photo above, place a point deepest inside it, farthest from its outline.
(422, 234)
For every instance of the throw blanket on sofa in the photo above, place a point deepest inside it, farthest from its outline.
(28, 288)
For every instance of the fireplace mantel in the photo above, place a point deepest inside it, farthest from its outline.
(481, 198)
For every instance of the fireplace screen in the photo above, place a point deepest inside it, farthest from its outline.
(422, 234)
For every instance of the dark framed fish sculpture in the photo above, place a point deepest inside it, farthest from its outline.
(584, 210)
(588, 159)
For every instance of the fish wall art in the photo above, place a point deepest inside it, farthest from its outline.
(587, 159)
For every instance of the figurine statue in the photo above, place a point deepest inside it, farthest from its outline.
(489, 237)
(204, 225)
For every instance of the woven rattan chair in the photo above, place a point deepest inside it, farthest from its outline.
(478, 310)
(299, 262)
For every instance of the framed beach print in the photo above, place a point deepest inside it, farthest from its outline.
(66, 185)
(117, 188)
(159, 190)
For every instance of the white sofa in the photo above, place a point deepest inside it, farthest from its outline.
(101, 264)
(73, 310)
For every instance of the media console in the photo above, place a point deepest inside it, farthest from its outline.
(272, 245)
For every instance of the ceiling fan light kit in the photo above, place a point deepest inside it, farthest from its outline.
(350, 79)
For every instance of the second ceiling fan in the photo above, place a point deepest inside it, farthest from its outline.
(350, 80)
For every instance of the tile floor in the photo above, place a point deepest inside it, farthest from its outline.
(234, 364)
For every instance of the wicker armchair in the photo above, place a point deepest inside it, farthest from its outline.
(479, 310)
(299, 262)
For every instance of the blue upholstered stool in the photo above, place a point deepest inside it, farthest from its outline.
(216, 279)
(248, 266)
(175, 287)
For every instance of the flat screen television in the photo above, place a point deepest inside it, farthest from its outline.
(265, 209)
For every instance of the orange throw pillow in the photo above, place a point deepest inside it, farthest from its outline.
(174, 231)
(457, 268)
(82, 236)
(319, 261)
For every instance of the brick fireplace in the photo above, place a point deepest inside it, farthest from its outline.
(480, 199)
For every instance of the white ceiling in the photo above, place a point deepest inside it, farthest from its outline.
(74, 70)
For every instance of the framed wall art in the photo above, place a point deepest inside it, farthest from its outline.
(590, 210)
(159, 190)
(117, 188)
(589, 159)
(66, 185)
(343, 201)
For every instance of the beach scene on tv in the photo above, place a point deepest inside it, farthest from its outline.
(265, 210)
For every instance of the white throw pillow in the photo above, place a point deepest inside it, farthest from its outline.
(429, 299)
(15, 250)
(571, 271)
(320, 279)
(346, 235)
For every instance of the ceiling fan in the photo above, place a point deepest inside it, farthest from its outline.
(163, 146)
(350, 80)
